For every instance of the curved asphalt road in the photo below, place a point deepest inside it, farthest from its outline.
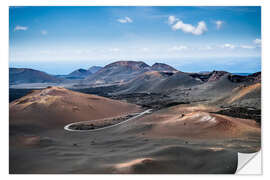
(73, 130)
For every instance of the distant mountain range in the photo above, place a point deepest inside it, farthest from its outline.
(82, 73)
(25, 75)
(133, 76)
(123, 71)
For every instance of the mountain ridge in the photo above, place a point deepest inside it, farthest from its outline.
(27, 75)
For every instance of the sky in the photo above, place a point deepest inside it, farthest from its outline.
(59, 40)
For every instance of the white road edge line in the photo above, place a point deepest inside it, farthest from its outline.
(91, 130)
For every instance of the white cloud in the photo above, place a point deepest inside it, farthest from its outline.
(257, 41)
(20, 28)
(229, 46)
(247, 47)
(219, 23)
(172, 19)
(44, 32)
(114, 50)
(187, 28)
(179, 48)
(125, 20)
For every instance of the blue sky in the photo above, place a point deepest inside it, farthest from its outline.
(60, 39)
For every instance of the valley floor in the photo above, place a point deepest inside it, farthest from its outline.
(187, 139)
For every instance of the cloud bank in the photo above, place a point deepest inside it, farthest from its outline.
(20, 28)
(177, 24)
(125, 20)
(229, 46)
(179, 48)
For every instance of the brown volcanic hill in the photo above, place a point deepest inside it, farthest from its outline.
(243, 96)
(135, 65)
(209, 76)
(162, 67)
(240, 92)
(215, 89)
(196, 122)
(220, 90)
(205, 125)
(158, 81)
(233, 90)
(146, 82)
(25, 75)
(179, 79)
(55, 107)
(119, 71)
(216, 75)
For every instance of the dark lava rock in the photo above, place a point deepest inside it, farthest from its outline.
(241, 112)
(256, 77)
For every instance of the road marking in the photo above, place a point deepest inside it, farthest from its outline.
(91, 130)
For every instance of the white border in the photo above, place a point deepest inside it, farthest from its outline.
(251, 166)
(4, 72)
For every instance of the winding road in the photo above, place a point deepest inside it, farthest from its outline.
(106, 127)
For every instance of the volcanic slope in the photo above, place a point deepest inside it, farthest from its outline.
(217, 86)
(55, 107)
(25, 75)
(94, 69)
(145, 82)
(243, 96)
(202, 86)
(119, 71)
(162, 67)
(199, 122)
(124, 71)
(80, 73)
(241, 91)
(165, 141)
(155, 81)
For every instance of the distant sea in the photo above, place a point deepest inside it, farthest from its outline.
(242, 74)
